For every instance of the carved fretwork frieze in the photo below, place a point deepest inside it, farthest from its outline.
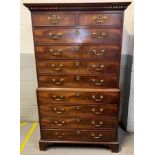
(76, 6)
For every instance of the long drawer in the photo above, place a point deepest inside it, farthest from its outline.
(99, 67)
(50, 35)
(78, 123)
(77, 81)
(79, 135)
(106, 110)
(78, 52)
(75, 96)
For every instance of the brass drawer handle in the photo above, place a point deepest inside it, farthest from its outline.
(60, 82)
(97, 99)
(96, 137)
(59, 124)
(56, 52)
(98, 53)
(97, 83)
(98, 69)
(57, 68)
(100, 19)
(97, 112)
(55, 36)
(98, 35)
(57, 98)
(97, 125)
(54, 19)
(58, 111)
(77, 77)
(60, 135)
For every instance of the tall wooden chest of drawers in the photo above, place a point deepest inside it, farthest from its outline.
(78, 50)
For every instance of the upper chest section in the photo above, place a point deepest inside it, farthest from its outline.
(77, 14)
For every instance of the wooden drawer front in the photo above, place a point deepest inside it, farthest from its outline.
(78, 67)
(58, 52)
(74, 97)
(65, 35)
(79, 51)
(50, 110)
(79, 123)
(79, 135)
(53, 19)
(77, 81)
(102, 18)
(102, 52)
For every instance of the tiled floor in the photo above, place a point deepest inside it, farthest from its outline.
(32, 148)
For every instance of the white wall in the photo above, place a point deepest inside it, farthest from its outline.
(28, 73)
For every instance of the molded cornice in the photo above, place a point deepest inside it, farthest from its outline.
(77, 6)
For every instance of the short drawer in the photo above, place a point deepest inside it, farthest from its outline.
(50, 35)
(53, 19)
(64, 96)
(100, 19)
(78, 123)
(99, 67)
(77, 81)
(104, 110)
(79, 135)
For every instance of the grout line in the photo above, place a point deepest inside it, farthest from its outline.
(28, 136)
(23, 124)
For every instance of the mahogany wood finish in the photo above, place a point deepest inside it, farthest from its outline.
(102, 52)
(49, 35)
(95, 19)
(77, 96)
(59, 67)
(59, 52)
(77, 122)
(97, 110)
(78, 50)
(59, 19)
(79, 135)
(78, 81)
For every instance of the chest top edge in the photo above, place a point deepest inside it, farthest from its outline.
(112, 6)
